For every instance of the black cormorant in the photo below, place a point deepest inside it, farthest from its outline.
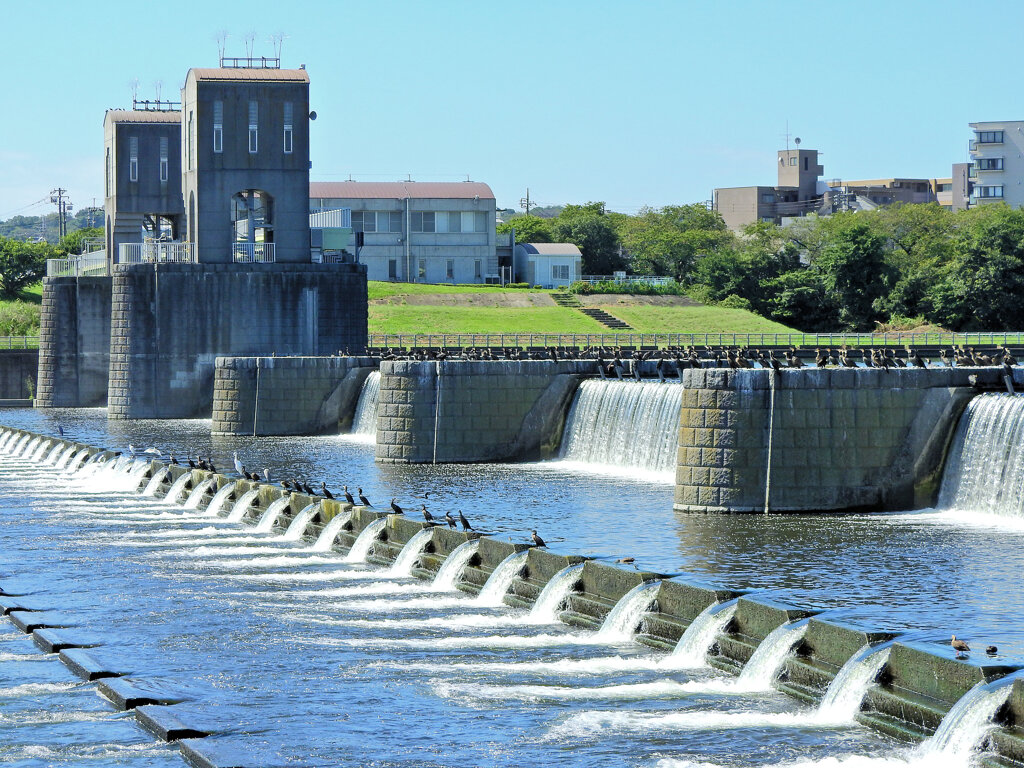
(449, 519)
(465, 523)
(348, 496)
(362, 499)
(395, 508)
(324, 492)
(426, 513)
(537, 540)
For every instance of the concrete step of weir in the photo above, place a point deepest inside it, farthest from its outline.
(124, 694)
(29, 621)
(56, 640)
(87, 666)
(168, 723)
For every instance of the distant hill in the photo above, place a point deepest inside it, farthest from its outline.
(29, 227)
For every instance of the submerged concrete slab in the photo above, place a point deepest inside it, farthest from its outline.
(10, 603)
(211, 753)
(87, 666)
(29, 621)
(167, 723)
(57, 640)
(126, 695)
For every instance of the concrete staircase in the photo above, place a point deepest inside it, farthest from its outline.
(568, 300)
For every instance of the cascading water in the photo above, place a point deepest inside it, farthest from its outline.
(985, 470)
(24, 451)
(621, 622)
(364, 541)
(966, 723)
(545, 607)
(364, 423)
(451, 569)
(845, 693)
(407, 557)
(6, 438)
(219, 499)
(196, 496)
(154, 482)
(298, 525)
(325, 542)
(177, 488)
(38, 455)
(759, 673)
(691, 651)
(241, 506)
(501, 579)
(271, 513)
(625, 425)
(65, 457)
(76, 462)
(51, 457)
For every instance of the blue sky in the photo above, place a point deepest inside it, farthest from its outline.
(643, 103)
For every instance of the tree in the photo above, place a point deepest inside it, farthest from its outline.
(669, 240)
(22, 264)
(529, 229)
(591, 230)
(853, 271)
(72, 242)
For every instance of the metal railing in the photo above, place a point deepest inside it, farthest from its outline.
(812, 340)
(19, 342)
(645, 279)
(253, 253)
(156, 253)
(89, 265)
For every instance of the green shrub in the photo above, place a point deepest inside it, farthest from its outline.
(18, 318)
(631, 287)
(732, 301)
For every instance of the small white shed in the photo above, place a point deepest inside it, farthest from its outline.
(550, 265)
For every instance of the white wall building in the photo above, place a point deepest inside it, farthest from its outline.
(997, 157)
(418, 231)
(550, 265)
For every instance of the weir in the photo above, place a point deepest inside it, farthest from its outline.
(364, 422)
(907, 689)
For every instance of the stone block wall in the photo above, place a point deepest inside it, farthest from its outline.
(74, 342)
(297, 395)
(170, 322)
(467, 411)
(840, 439)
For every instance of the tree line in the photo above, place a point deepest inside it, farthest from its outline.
(24, 263)
(902, 266)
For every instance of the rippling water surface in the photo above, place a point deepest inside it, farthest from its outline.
(303, 659)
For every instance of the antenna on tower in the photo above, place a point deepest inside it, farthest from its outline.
(278, 42)
(250, 41)
(787, 135)
(134, 85)
(158, 86)
(221, 37)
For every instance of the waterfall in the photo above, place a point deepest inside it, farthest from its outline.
(364, 423)
(361, 547)
(155, 480)
(760, 672)
(196, 496)
(624, 424)
(407, 557)
(20, 445)
(966, 723)
(6, 437)
(846, 691)
(691, 652)
(985, 470)
(32, 443)
(546, 607)
(241, 506)
(451, 569)
(77, 460)
(219, 499)
(621, 622)
(501, 579)
(51, 457)
(325, 543)
(270, 514)
(65, 457)
(298, 525)
(177, 488)
(38, 455)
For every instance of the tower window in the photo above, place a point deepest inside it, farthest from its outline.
(218, 126)
(133, 158)
(164, 159)
(288, 132)
(253, 127)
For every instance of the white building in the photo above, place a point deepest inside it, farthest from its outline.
(550, 265)
(418, 231)
(997, 157)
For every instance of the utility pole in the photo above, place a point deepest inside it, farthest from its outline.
(59, 198)
(524, 202)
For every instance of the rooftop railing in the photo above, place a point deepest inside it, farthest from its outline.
(88, 265)
(19, 342)
(645, 279)
(156, 253)
(253, 253)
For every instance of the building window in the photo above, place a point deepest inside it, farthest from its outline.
(133, 158)
(990, 137)
(164, 159)
(422, 274)
(989, 163)
(392, 269)
(218, 126)
(806, 161)
(110, 168)
(994, 191)
(288, 134)
(767, 197)
(768, 219)
(449, 269)
(559, 271)
(792, 161)
(477, 269)
(191, 139)
(422, 221)
(254, 113)
(376, 221)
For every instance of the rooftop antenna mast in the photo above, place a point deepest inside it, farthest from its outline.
(221, 37)
(278, 42)
(250, 41)
(158, 86)
(787, 135)
(134, 85)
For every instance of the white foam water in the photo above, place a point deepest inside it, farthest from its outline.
(220, 499)
(154, 482)
(501, 578)
(241, 507)
(361, 546)
(195, 498)
(546, 607)
(271, 513)
(451, 569)
(845, 693)
(364, 423)
(759, 673)
(622, 621)
(76, 461)
(177, 488)
(406, 559)
(297, 527)
(325, 541)
(691, 652)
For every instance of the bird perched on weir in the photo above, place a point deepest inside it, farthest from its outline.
(60, 430)
(449, 519)
(465, 523)
(395, 508)
(324, 492)
(362, 499)
(348, 496)
(191, 464)
(307, 489)
(959, 646)
(426, 513)
(174, 461)
(238, 466)
(210, 467)
(537, 540)
(266, 475)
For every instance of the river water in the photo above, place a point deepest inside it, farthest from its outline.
(298, 658)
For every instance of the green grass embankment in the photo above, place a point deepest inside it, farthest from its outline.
(20, 317)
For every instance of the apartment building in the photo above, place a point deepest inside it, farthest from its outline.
(997, 162)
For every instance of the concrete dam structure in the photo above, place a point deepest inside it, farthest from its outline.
(911, 690)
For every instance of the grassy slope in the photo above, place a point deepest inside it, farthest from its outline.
(20, 317)
(695, 320)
